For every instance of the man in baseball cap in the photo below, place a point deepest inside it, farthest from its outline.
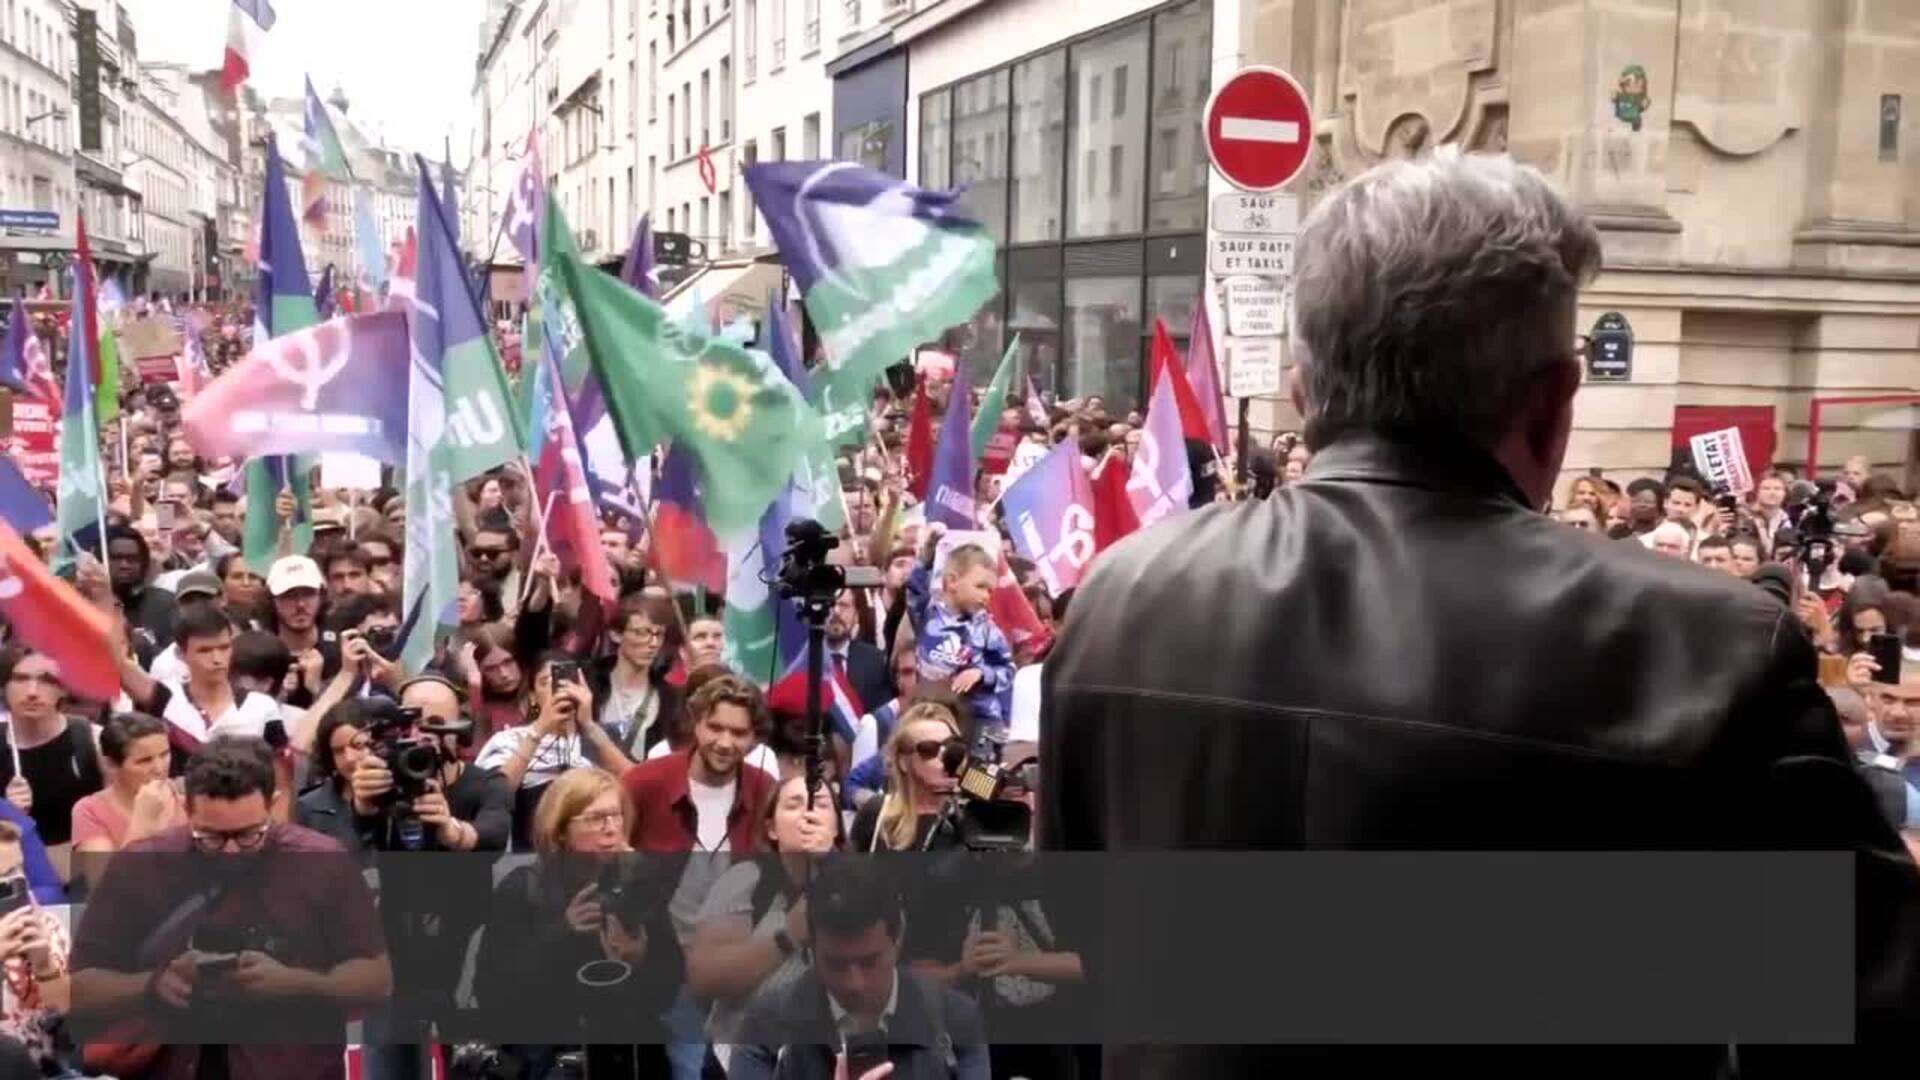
(296, 586)
(194, 589)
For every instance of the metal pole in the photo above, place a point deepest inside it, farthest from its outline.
(816, 723)
(1240, 446)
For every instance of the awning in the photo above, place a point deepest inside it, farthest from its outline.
(730, 290)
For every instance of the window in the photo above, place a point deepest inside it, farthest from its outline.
(1039, 126)
(670, 44)
(686, 17)
(935, 139)
(749, 38)
(778, 29)
(979, 145)
(613, 108)
(810, 40)
(633, 98)
(810, 137)
(1116, 169)
(779, 145)
(1119, 211)
(1120, 91)
(653, 81)
(726, 220)
(726, 99)
(749, 157)
(669, 125)
(671, 226)
(1178, 197)
(706, 109)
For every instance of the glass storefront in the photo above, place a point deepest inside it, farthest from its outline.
(1087, 163)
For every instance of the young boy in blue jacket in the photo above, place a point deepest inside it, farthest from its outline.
(957, 642)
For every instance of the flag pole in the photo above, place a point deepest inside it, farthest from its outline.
(539, 548)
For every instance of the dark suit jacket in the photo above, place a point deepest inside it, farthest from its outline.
(869, 675)
(1398, 652)
(923, 1037)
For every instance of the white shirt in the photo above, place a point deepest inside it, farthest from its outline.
(1023, 715)
(554, 755)
(168, 667)
(711, 806)
(249, 715)
(760, 757)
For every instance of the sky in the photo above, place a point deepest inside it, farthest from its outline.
(406, 65)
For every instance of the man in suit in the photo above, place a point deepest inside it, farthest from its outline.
(864, 665)
(858, 990)
(1401, 652)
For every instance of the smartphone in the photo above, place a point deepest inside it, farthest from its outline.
(1885, 650)
(164, 514)
(565, 671)
(216, 964)
(866, 1051)
(14, 894)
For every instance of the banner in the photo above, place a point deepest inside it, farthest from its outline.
(328, 387)
(1049, 513)
(1722, 460)
(35, 442)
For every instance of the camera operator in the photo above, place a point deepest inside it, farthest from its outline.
(456, 807)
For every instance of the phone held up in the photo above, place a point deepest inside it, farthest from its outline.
(1885, 650)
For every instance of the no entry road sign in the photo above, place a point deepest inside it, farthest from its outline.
(1259, 129)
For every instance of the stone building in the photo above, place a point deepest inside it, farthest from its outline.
(1752, 165)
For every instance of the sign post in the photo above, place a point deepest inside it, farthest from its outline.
(1259, 129)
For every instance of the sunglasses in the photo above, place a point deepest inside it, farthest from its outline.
(928, 749)
(488, 553)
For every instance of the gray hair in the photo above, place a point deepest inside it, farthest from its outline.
(1424, 291)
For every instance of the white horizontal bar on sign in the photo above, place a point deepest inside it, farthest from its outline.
(1245, 127)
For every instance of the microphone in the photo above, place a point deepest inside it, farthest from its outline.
(1801, 491)
(952, 756)
(1776, 581)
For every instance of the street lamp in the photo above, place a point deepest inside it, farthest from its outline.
(56, 113)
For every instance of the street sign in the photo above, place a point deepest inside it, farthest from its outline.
(1259, 129)
(1610, 349)
(1255, 307)
(1253, 366)
(29, 219)
(1245, 253)
(1250, 212)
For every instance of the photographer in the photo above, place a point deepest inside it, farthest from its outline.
(579, 944)
(436, 802)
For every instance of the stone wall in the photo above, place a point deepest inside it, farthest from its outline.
(1754, 166)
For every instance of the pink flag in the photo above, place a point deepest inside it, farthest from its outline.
(1161, 483)
(1203, 374)
(573, 529)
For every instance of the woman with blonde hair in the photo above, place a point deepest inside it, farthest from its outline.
(583, 931)
(910, 816)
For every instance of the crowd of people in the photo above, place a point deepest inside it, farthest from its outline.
(264, 711)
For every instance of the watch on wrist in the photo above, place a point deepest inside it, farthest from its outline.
(784, 942)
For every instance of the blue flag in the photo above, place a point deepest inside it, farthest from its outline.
(21, 505)
(950, 496)
(260, 11)
(882, 266)
(13, 350)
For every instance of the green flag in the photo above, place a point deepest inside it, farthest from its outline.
(106, 405)
(987, 420)
(744, 423)
(267, 477)
(80, 499)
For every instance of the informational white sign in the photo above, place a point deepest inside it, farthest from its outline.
(344, 470)
(1253, 366)
(1258, 214)
(1256, 306)
(1721, 457)
(1248, 253)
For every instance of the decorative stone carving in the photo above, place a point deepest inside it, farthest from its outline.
(1742, 75)
(1412, 57)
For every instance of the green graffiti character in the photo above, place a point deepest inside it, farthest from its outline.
(1630, 100)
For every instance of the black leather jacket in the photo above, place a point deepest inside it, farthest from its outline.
(1398, 652)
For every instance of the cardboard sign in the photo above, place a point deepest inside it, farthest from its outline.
(1722, 460)
(34, 443)
(152, 344)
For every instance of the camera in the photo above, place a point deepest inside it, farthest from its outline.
(480, 1061)
(379, 638)
(1725, 500)
(412, 759)
(627, 892)
(806, 576)
(983, 817)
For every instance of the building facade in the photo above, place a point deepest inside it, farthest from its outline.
(36, 139)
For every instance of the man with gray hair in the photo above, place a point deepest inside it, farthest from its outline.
(1401, 651)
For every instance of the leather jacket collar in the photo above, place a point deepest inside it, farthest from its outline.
(1439, 463)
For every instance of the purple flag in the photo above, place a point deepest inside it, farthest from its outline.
(1050, 516)
(524, 208)
(637, 270)
(1160, 483)
(1203, 374)
(21, 505)
(950, 496)
(13, 352)
(328, 387)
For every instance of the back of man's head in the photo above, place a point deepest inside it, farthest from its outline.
(231, 768)
(1428, 295)
(848, 897)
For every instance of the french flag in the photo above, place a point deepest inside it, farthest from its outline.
(244, 20)
(837, 699)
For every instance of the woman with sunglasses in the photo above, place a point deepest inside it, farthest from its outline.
(563, 948)
(751, 934)
(910, 817)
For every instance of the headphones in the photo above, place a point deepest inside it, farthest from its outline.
(465, 735)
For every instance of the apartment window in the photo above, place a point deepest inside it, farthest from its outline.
(778, 145)
(686, 119)
(670, 44)
(779, 31)
(810, 137)
(1120, 91)
(672, 226)
(750, 38)
(810, 39)
(686, 17)
(749, 157)
(670, 124)
(613, 110)
(706, 225)
(726, 221)
(706, 109)
(633, 97)
(726, 99)
(653, 80)
(632, 192)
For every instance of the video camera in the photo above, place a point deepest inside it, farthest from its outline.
(983, 818)
(1819, 536)
(806, 575)
(412, 753)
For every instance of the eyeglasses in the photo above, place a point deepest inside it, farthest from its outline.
(928, 749)
(212, 841)
(602, 819)
(647, 633)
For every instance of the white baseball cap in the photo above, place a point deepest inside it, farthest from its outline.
(294, 572)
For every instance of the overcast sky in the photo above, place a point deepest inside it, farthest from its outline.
(406, 65)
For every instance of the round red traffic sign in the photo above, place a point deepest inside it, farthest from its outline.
(1259, 129)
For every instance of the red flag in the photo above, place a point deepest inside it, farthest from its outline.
(1013, 612)
(1203, 374)
(84, 283)
(49, 615)
(573, 529)
(1113, 516)
(920, 442)
(1166, 362)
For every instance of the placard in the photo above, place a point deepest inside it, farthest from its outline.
(1721, 458)
(1255, 307)
(345, 470)
(1253, 366)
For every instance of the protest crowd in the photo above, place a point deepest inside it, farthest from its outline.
(563, 709)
